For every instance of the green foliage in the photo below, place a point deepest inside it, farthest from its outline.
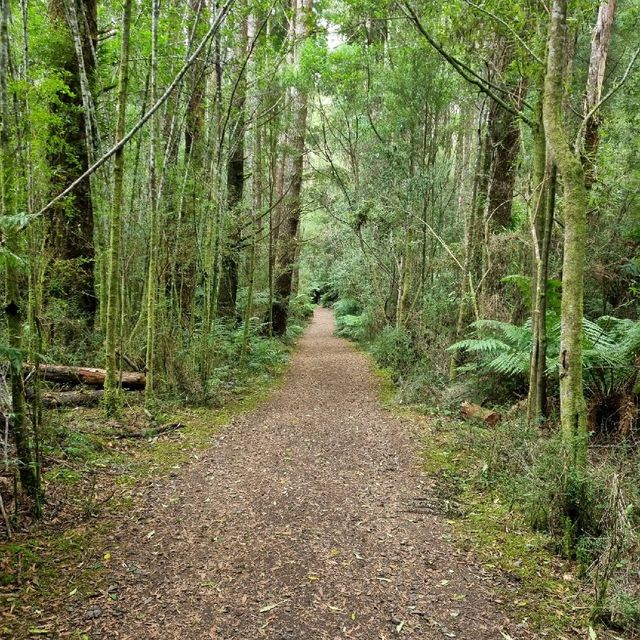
(301, 307)
(524, 466)
(523, 284)
(502, 348)
(347, 307)
(349, 326)
(393, 349)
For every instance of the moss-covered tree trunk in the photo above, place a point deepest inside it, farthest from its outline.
(29, 476)
(229, 278)
(111, 390)
(541, 223)
(73, 55)
(573, 413)
(154, 231)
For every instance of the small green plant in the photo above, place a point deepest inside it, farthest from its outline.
(301, 307)
(610, 349)
(349, 326)
(347, 307)
(393, 349)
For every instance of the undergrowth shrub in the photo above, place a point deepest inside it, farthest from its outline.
(498, 353)
(526, 467)
(347, 307)
(393, 349)
(301, 307)
(423, 386)
(349, 326)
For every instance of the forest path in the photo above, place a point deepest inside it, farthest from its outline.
(299, 524)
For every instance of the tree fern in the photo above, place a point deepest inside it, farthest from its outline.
(610, 347)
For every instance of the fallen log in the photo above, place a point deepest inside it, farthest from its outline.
(470, 411)
(64, 399)
(88, 375)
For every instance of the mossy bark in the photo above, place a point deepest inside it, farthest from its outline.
(229, 277)
(26, 462)
(154, 235)
(111, 390)
(71, 235)
(573, 413)
(293, 203)
(544, 179)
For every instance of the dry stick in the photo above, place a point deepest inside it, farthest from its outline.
(147, 116)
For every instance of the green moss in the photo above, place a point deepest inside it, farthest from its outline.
(386, 388)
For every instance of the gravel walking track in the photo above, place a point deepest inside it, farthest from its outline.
(300, 524)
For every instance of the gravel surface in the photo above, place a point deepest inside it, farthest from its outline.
(300, 523)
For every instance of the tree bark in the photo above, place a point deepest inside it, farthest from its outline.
(504, 135)
(88, 375)
(26, 461)
(573, 411)
(471, 411)
(154, 231)
(235, 184)
(287, 249)
(595, 80)
(71, 235)
(113, 294)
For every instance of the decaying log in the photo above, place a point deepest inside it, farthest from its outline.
(63, 399)
(89, 376)
(468, 410)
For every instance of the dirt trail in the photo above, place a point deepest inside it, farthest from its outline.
(298, 525)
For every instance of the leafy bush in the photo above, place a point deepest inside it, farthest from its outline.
(609, 344)
(349, 326)
(393, 349)
(301, 307)
(527, 468)
(347, 307)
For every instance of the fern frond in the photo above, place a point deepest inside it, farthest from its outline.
(479, 345)
(510, 364)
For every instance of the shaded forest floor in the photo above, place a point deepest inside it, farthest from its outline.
(313, 515)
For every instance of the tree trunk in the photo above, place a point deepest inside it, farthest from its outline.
(505, 141)
(27, 468)
(88, 375)
(154, 235)
(542, 227)
(469, 276)
(111, 399)
(595, 80)
(293, 204)
(573, 413)
(195, 116)
(235, 184)
(72, 217)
